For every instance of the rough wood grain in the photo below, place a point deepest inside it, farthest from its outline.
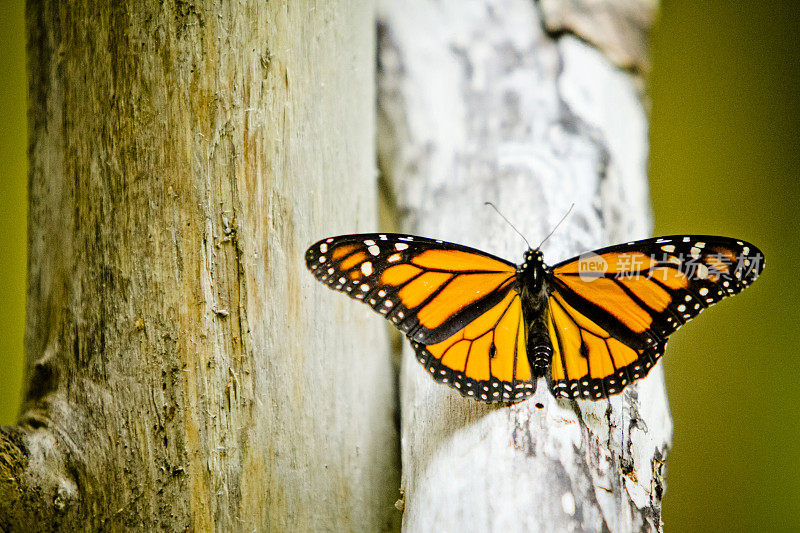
(182, 372)
(477, 102)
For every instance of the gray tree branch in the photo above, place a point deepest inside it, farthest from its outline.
(478, 102)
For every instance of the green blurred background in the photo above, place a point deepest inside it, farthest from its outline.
(725, 160)
(725, 125)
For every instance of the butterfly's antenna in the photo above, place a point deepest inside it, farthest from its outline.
(508, 222)
(557, 225)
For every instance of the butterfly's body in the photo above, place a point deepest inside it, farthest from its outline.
(490, 329)
(532, 285)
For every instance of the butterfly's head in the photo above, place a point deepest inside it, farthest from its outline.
(533, 259)
(533, 256)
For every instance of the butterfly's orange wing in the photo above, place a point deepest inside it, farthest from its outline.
(610, 312)
(487, 358)
(588, 361)
(457, 305)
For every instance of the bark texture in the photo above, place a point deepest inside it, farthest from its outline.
(478, 102)
(183, 155)
(619, 28)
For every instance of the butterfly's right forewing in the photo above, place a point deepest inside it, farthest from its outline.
(611, 311)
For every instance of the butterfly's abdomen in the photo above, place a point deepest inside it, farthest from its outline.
(539, 358)
(540, 350)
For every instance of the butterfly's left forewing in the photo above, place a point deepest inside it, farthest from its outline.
(429, 289)
(610, 311)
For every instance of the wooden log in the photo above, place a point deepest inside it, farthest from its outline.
(185, 372)
(478, 102)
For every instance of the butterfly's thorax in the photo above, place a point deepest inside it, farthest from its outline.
(532, 277)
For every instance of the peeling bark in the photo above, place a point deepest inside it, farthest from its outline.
(181, 373)
(480, 101)
(619, 28)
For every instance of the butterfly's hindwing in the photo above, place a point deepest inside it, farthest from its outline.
(487, 358)
(588, 362)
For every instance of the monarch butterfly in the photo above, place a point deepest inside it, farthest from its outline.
(590, 325)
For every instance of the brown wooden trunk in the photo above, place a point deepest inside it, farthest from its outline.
(182, 371)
